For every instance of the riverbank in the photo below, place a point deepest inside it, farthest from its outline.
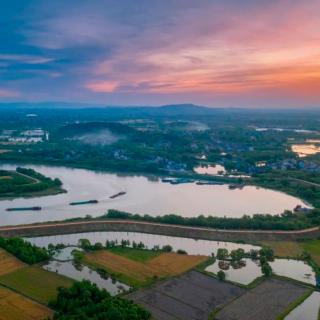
(27, 183)
(277, 181)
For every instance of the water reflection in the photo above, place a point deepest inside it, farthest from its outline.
(295, 269)
(289, 268)
(142, 196)
(307, 310)
(244, 275)
(65, 254)
(67, 269)
(191, 246)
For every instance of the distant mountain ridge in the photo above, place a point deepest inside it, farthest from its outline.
(165, 110)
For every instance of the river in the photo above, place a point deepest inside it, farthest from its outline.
(143, 195)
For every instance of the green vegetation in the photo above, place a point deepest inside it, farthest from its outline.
(221, 275)
(36, 283)
(24, 250)
(286, 221)
(84, 301)
(140, 255)
(26, 182)
(297, 183)
(312, 247)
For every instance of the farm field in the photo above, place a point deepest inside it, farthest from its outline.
(191, 296)
(284, 248)
(14, 306)
(35, 283)
(267, 301)
(140, 255)
(294, 249)
(313, 248)
(136, 273)
(8, 263)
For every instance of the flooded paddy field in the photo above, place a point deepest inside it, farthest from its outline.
(191, 246)
(266, 301)
(307, 310)
(191, 296)
(69, 270)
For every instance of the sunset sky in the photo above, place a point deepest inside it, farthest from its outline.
(231, 53)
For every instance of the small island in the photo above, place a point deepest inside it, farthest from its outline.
(24, 182)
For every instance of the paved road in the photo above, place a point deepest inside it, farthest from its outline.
(306, 182)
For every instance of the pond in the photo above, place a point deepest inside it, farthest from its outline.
(295, 269)
(191, 246)
(307, 310)
(141, 195)
(289, 268)
(65, 254)
(244, 275)
(67, 269)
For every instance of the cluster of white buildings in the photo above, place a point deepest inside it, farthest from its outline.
(27, 136)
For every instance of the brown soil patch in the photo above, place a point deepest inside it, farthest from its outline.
(164, 265)
(8, 263)
(13, 306)
(284, 248)
(174, 264)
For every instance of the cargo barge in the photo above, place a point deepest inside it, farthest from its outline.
(79, 203)
(24, 209)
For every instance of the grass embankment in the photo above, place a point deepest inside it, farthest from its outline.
(14, 306)
(36, 283)
(9, 263)
(137, 269)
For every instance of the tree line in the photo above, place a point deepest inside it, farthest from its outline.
(285, 221)
(85, 301)
(24, 250)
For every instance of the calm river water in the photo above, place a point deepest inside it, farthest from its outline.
(143, 195)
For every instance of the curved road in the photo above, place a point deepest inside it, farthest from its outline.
(56, 228)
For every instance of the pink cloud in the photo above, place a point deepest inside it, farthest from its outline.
(6, 93)
(103, 86)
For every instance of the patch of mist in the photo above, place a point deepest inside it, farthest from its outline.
(99, 138)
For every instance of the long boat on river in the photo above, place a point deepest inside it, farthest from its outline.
(25, 209)
(79, 203)
(119, 194)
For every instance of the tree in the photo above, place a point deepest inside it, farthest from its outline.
(221, 275)
(266, 269)
(84, 244)
(85, 301)
(167, 248)
(254, 254)
(267, 252)
(24, 250)
(222, 254)
(237, 254)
